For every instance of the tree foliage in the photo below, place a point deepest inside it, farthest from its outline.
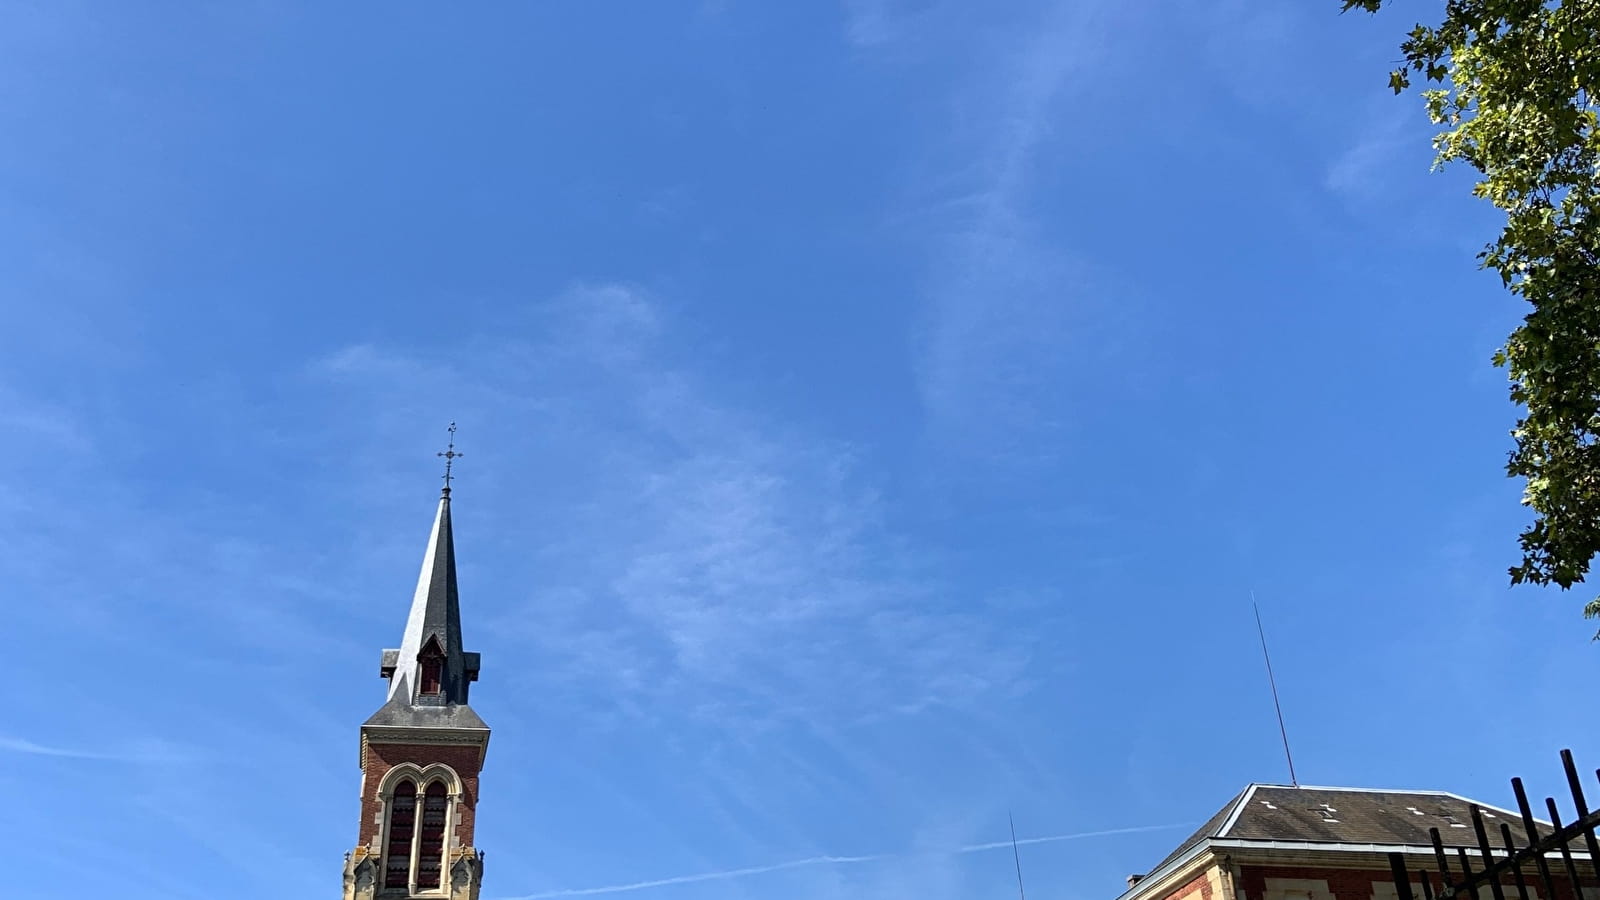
(1513, 84)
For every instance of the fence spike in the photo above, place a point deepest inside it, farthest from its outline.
(1532, 828)
(1402, 881)
(1511, 855)
(1576, 784)
(1566, 854)
(1467, 880)
(1483, 847)
(1441, 859)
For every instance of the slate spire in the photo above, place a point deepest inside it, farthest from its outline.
(432, 639)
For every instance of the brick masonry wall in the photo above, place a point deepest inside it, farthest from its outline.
(383, 757)
(1344, 884)
(1198, 888)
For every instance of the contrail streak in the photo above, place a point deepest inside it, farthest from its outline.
(154, 752)
(1052, 838)
(22, 745)
(705, 876)
(824, 861)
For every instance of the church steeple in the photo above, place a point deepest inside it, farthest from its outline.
(421, 752)
(430, 668)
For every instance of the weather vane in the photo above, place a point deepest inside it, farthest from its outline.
(450, 454)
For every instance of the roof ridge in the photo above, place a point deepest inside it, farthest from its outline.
(1361, 790)
(1240, 803)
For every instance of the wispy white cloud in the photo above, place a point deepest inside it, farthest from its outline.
(1378, 154)
(875, 23)
(149, 750)
(1012, 311)
(1363, 169)
(714, 557)
(42, 425)
(1252, 48)
(815, 861)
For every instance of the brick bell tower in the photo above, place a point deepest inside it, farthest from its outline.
(421, 752)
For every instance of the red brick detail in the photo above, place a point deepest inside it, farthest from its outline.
(1198, 886)
(383, 757)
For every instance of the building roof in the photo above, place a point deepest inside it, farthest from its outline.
(434, 620)
(1333, 816)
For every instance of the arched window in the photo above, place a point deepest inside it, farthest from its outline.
(402, 825)
(432, 659)
(420, 805)
(430, 849)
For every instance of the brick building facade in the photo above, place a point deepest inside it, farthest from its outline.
(1273, 842)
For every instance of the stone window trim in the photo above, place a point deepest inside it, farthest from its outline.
(1388, 890)
(1297, 889)
(422, 777)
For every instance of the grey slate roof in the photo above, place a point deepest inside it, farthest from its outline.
(1335, 816)
(435, 616)
(397, 713)
(1210, 829)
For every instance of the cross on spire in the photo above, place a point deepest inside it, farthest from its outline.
(450, 454)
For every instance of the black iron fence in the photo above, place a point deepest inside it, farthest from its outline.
(1541, 846)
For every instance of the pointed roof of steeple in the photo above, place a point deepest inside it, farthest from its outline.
(433, 626)
(435, 611)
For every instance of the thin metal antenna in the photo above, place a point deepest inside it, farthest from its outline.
(1274, 683)
(1015, 855)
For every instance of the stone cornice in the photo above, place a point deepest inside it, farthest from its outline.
(401, 734)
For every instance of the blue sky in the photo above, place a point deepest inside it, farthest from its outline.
(877, 416)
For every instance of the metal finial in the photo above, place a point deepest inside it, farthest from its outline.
(450, 454)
